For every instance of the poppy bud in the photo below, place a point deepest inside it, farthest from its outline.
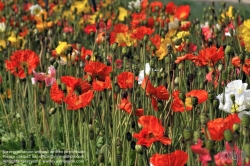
(228, 50)
(228, 135)
(91, 135)
(23, 143)
(119, 149)
(132, 145)
(32, 141)
(114, 46)
(56, 64)
(194, 101)
(152, 63)
(63, 87)
(182, 96)
(89, 79)
(176, 80)
(138, 149)
(242, 57)
(117, 89)
(236, 127)
(133, 124)
(160, 105)
(177, 41)
(145, 38)
(124, 50)
(216, 103)
(129, 136)
(247, 149)
(224, 76)
(209, 145)
(197, 135)
(245, 120)
(188, 134)
(203, 119)
(52, 111)
(101, 158)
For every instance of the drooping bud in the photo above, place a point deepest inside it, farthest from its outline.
(245, 120)
(203, 119)
(228, 135)
(188, 134)
(209, 145)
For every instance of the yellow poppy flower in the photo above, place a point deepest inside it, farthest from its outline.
(16, 41)
(122, 38)
(61, 48)
(123, 13)
(81, 6)
(2, 44)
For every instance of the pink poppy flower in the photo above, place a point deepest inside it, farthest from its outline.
(49, 78)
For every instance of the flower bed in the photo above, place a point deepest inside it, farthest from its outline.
(107, 84)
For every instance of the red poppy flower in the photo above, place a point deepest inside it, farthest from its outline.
(136, 19)
(209, 56)
(120, 28)
(1, 79)
(90, 28)
(177, 158)
(140, 32)
(126, 106)
(182, 12)
(217, 126)
(171, 8)
(151, 132)
(126, 80)
(155, 4)
(24, 32)
(179, 106)
(156, 40)
(246, 65)
(75, 102)
(100, 38)
(21, 60)
(101, 85)
(85, 52)
(56, 94)
(1, 5)
(98, 69)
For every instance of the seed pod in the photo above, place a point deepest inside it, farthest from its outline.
(209, 144)
(32, 141)
(245, 120)
(101, 158)
(117, 89)
(188, 134)
(129, 136)
(132, 145)
(23, 143)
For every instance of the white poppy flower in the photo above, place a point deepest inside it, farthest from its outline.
(2, 27)
(241, 95)
(134, 4)
(35, 9)
(141, 74)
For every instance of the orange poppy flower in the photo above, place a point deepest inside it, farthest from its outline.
(126, 106)
(185, 57)
(21, 60)
(217, 126)
(179, 106)
(120, 28)
(209, 56)
(177, 158)
(56, 94)
(75, 102)
(182, 12)
(100, 85)
(140, 32)
(100, 38)
(246, 64)
(151, 132)
(98, 69)
(126, 80)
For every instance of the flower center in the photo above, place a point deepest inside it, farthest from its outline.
(188, 102)
(234, 108)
